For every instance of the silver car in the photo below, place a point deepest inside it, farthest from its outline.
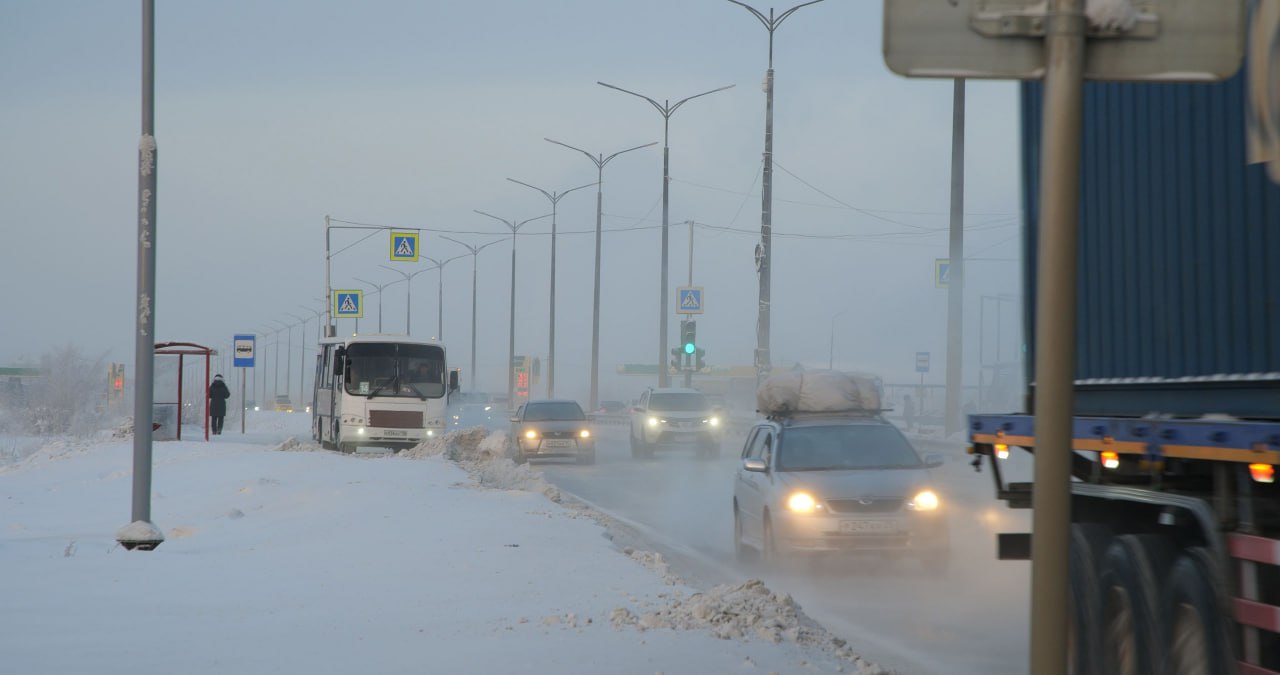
(831, 483)
(553, 428)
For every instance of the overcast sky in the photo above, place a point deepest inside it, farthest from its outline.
(272, 115)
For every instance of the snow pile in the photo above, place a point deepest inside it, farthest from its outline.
(655, 563)
(741, 612)
(50, 451)
(485, 456)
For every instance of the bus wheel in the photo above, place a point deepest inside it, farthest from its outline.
(1193, 606)
(1088, 541)
(1129, 577)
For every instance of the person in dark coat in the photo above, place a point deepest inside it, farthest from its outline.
(218, 395)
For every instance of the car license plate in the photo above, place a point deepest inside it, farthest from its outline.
(867, 526)
(557, 443)
(394, 432)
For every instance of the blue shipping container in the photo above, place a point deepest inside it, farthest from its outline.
(1179, 253)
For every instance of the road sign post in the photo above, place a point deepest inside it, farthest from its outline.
(243, 356)
(1062, 42)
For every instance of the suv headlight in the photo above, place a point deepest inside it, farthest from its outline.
(713, 421)
(653, 421)
(925, 500)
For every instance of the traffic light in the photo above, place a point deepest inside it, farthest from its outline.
(701, 365)
(677, 359)
(688, 336)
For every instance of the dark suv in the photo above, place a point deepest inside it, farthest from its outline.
(675, 418)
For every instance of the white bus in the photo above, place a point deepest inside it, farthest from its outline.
(384, 391)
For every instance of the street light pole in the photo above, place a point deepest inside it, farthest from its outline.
(764, 255)
(440, 294)
(599, 160)
(288, 359)
(475, 251)
(379, 287)
(408, 292)
(666, 109)
(511, 340)
(302, 352)
(831, 354)
(554, 198)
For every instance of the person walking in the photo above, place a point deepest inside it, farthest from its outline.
(218, 395)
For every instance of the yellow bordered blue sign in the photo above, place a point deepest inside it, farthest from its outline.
(348, 304)
(404, 246)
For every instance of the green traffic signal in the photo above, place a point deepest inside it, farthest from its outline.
(690, 348)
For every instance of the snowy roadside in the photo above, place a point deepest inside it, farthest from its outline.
(445, 558)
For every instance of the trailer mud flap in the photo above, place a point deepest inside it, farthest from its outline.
(1013, 546)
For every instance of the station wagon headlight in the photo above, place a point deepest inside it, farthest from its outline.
(801, 502)
(925, 500)
(585, 433)
(714, 421)
(531, 434)
(653, 421)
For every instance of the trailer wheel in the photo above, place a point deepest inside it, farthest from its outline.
(1193, 606)
(1088, 541)
(1129, 576)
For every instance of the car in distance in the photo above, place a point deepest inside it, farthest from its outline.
(837, 483)
(612, 408)
(552, 428)
(675, 417)
(283, 404)
(470, 415)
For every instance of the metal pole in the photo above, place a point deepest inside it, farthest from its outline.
(244, 404)
(1056, 335)
(667, 110)
(765, 252)
(599, 160)
(955, 287)
(688, 371)
(141, 534)
(440, 304)
(511, 339)
(474, 260)
(329, 330)
(663, 379)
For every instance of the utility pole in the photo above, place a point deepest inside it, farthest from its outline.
(764, 250)
(666, 109)
(955, 284)
(554, 198)
(599, 160)
(475, 252)
(511, 340)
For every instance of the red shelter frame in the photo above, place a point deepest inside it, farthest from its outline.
(183, 350)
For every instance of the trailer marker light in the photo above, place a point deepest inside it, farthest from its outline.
(1002, 451)
(1263, 473)
(1110, 460)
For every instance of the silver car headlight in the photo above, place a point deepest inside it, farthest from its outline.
(801, 502)
(653, 421)
(925, 500)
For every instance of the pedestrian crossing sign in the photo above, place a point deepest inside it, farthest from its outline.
(689, 300)
(942, 273)
(404, 246)
(348, 304)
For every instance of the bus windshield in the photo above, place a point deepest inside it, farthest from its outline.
(391, 369)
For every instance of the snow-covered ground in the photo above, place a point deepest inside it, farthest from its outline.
(280, 557)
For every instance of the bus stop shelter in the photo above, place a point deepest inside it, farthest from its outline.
(183, 350)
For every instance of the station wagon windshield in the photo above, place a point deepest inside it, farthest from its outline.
(850, 446)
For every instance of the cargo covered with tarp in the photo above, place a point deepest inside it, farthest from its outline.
(818, 392)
